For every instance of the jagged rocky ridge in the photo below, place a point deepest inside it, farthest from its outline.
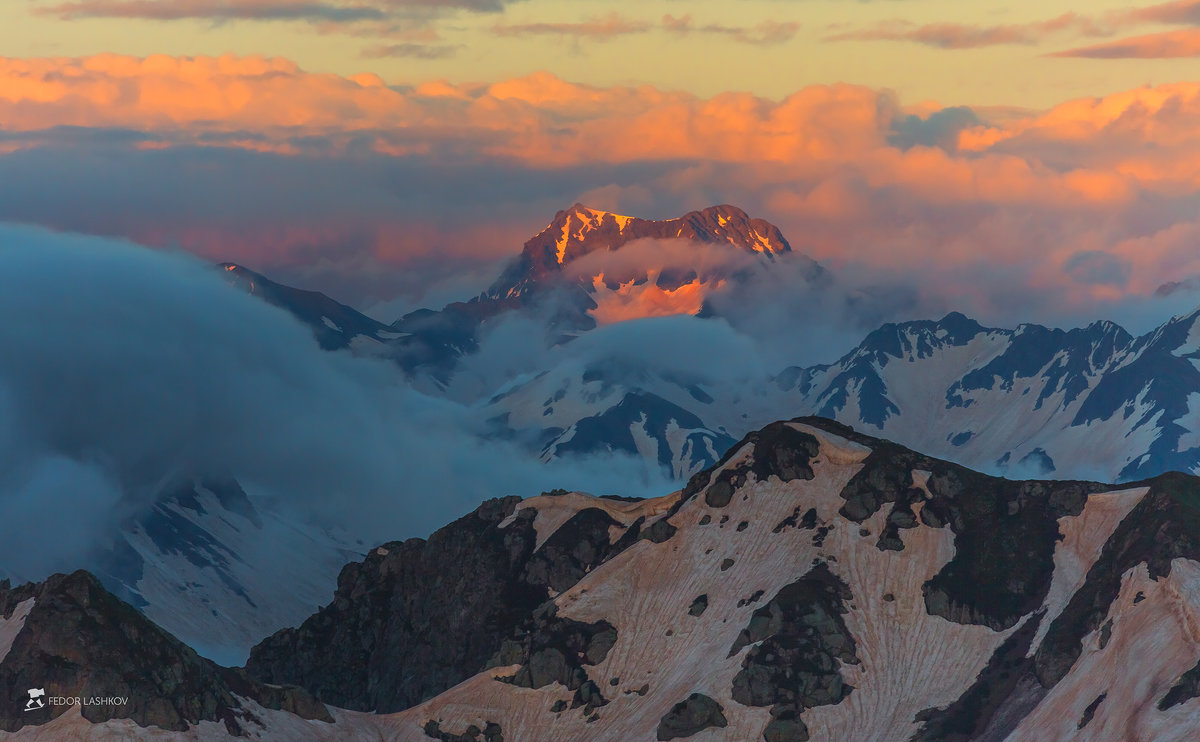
(71, 638)
(1030, 402)
(822, 584)
(816, 583)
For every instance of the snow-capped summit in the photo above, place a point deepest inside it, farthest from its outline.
(581, 230)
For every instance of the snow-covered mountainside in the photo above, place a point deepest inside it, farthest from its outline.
(220, 573)
(823, 585)
(816, 584)
(1034, 401)
(1092, 402)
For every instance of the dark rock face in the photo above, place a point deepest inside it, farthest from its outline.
(796, 666)
(1187, 688)
(970, 714)
(1090, 712)
(418, 617)
(414, 618)
(1164, 526)
(698, 712)
(491, 732)
(81, 641)
(779, 450)
(580, 544)
(1004, 531)
(551, 649)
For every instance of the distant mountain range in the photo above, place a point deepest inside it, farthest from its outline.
(545, 279)
(1091, 403)
(815, 584)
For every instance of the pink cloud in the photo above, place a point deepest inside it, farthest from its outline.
(971, 36)
(258, 160)
(1164, 45)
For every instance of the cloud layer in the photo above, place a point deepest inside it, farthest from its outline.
(346, 184)
(126, 368)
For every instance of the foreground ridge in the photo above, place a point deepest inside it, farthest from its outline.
(816, 583)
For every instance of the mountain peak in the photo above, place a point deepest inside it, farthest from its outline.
(580, 230)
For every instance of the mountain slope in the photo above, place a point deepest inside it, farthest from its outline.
(1094, 402)
(335, 325)
(209, 566)
(1033, 401)
(816, 584)
(77, 641)
(821, 584)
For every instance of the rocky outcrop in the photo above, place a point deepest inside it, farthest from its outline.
(801, 642)
(550, 649)
(78, 641)
(414, 617)
(419, 616)
(691, 716)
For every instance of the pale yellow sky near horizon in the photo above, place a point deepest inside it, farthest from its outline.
(703, 63)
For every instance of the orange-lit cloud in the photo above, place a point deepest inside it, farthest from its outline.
(339, 178)
(1178, 12)
(1164, 45)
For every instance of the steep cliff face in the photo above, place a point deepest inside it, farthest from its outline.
(417, 617)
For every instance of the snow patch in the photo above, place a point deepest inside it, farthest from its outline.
(11, 626)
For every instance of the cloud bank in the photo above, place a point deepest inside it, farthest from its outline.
(349, 185)
(126, 368)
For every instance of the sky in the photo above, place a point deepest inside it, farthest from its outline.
(1018, 161)
(1015, 161)
(978, 53)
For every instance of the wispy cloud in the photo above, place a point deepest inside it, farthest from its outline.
(766, 32)
(215, 10)
(411, 51)
(971, 36)
(1160, 45)
(613, 25)
(599, 28)
(1178, 12)
(1164, 45)
(260, 10)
